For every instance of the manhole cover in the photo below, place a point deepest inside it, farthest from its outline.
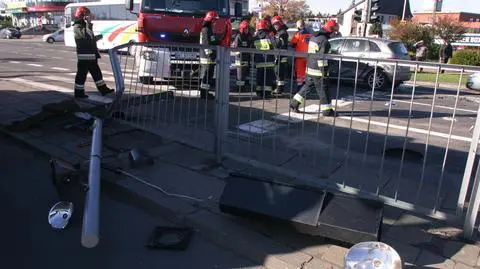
(410, 155)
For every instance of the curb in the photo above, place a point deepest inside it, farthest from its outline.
(223, 231)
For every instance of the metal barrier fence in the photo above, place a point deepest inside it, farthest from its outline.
(412, 145)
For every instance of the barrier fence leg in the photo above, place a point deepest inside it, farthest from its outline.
(473, 206)
(222, 89)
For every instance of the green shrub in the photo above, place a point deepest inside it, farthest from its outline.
(433, 52)
(466, 57)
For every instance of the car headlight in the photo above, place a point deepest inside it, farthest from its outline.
(149, 56)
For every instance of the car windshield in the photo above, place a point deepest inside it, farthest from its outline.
(192, 6)
(398, 48)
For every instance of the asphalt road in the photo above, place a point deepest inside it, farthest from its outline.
(52, 67)
(26, 195)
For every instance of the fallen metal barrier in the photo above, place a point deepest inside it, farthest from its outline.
(408, 143)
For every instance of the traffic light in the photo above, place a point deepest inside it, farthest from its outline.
(357, 16)
(374, 8)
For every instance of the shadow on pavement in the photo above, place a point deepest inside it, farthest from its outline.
(191, 119)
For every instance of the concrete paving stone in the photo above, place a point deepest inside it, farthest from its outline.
(12, 116)
(245, 242)
(174, 209)
(133, 139)
(461, 252)
(408, 253)
(185, 181)
(316, 263)
(52, 150)
(430, 260)
(335, 255)
(288, 236)
(462, 266)
(409, 234)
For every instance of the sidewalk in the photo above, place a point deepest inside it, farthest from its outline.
(187, 171)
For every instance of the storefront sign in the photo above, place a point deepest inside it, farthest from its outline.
(45, 8)
(16, 5)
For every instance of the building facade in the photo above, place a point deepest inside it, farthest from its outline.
(468, 20)
(29, 13)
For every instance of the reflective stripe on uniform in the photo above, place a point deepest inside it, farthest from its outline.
(326, 107)
(205, 86)
(86, 56)
(280, 83)
(284, 60)
(208, 51)
(313, 47)
(263, 65)
(240, 63)
(314, 72)
(80, 87)
(235, 53)
(100, 82)
(297, 97)
(266, 88)
(240, 83)
(206, 61)
(322, 63)
(263, 44)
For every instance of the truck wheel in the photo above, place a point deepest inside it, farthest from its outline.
(146, 80)
(50, 40)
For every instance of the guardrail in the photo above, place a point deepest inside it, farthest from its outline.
(409, 143)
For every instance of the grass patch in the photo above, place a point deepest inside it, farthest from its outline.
(443, 78)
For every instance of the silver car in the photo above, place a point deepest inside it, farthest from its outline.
(473, 82)
(373, 48)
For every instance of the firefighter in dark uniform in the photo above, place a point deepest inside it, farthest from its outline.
(208, 56)
(264, 63)
(317, 70)
(244, 39)
(87, 54)
(281, 42)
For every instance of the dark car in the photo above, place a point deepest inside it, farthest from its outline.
(10, 33)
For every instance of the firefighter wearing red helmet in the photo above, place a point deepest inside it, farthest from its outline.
(317, 70)
(87, 54)
(208, 56)
(243, 39)
(300, 43)
(264, 63)
(281, 42)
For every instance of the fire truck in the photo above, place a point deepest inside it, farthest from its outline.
(176, 21)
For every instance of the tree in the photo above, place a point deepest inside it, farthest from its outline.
(449, 29)
(376, 29)
(410, 33)
(290, 10)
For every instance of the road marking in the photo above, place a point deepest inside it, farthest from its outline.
(36, 65)
(60, 68)
(410, 130)
(56, 57)
(41, 55)
(260, 126)
(96, 98)
(14, 62)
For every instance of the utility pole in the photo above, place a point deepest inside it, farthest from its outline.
(404, 9)
(365, 18)
(434, 12)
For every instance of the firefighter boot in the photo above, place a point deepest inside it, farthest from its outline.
(206, 95)
(279, 90)
(104, 90)
(294, 105)
(80, 94)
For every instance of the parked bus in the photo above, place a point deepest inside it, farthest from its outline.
(110, 19)
(176, 21)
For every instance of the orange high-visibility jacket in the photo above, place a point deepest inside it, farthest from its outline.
(300, 40)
